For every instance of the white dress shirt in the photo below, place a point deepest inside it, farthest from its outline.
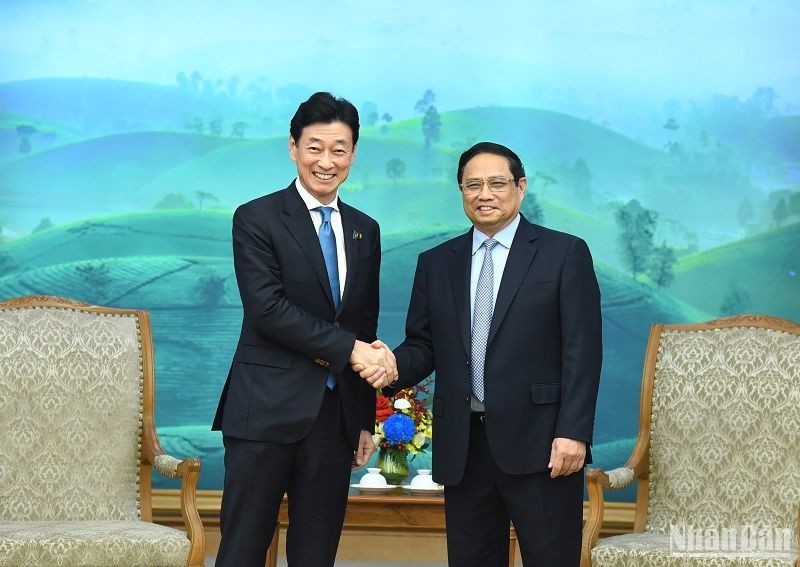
(336, 223)
(504, 239)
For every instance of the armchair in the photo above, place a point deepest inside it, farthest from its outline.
(78, 441)
(717, 458)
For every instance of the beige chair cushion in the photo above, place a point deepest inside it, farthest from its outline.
(725, 430)
(91, 544)
(70, 405)
(653, 550)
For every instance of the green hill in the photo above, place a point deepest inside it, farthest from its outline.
(765, 266)
(95, 176)
(542, 138)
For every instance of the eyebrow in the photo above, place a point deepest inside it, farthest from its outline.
(319, 141)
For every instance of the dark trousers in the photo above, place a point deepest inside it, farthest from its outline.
(546, 512)
(315, 475)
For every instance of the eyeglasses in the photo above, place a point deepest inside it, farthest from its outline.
(495, 184)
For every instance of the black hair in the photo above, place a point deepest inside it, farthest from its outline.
(324, 108)
(514, 163)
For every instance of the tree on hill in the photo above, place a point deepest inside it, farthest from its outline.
(195, 124)
(582, 182)
(431, 126)
(215, 127)
(210, 288)
(531, 208)
(203, 196)
(369, 113)
(780, 213)
(637, 226)
(793, 203)
(662, 266)
(96, 280)
(24, 133)
(237, 129)
(387, 118)
(425, 102)
(395, 169)
(173, 201)
(182, 80)
(44, 224)
(735, 301)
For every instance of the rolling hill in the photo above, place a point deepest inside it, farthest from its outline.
(765, 266)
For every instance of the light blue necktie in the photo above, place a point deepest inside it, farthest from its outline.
(482, 318)
(327, 240)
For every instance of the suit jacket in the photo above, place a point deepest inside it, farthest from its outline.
(543, 357)
(291, 336)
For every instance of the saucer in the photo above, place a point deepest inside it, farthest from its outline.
(373, 489)
(419, 490)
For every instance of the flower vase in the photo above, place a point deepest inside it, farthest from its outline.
(393, 464)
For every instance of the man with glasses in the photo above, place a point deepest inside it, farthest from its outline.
(295, 418)
(508, 316)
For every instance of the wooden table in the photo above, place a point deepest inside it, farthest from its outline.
(395, 511)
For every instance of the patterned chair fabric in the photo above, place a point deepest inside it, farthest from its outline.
(71, 404)
(724, 463)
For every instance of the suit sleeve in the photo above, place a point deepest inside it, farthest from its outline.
(415, 360)
(258, 273)
(369, 331)
(581, 337)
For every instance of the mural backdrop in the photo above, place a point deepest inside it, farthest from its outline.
(666, 133)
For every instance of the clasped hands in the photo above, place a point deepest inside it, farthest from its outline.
(375, 363)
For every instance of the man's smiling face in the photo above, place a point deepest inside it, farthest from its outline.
(323, 154)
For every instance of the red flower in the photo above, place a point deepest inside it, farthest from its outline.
(383, 408)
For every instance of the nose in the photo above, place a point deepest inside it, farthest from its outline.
(325, 159)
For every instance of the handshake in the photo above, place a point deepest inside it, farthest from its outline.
(375, 363)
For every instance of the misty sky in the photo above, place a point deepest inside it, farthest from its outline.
(513, 49)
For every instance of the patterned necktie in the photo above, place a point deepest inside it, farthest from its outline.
(482, 319)
(327, 240)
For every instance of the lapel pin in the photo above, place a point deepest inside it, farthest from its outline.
(357, 235)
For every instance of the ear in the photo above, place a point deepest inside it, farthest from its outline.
(292, 148)
(353, 155)
(523, 185)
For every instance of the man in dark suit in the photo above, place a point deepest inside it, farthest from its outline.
(294, 417)
(508, 315)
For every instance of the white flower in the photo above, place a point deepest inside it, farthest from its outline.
(418, 440)
(402, 404)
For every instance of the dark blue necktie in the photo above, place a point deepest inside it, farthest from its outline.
(327, 240)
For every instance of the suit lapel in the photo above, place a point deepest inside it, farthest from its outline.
(459, 266)
(298, 222)
(349, 230)
(523, 249)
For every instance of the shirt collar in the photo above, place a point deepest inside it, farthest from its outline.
(505, 237)
(311, 201)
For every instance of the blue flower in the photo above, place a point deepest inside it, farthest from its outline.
(399, 428)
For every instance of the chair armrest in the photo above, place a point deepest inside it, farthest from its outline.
(596, 481)
(188, 470)
(167, 465)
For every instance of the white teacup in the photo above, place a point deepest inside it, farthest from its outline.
(423, 480)
(373, 479)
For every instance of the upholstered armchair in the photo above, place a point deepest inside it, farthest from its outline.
(78, 442)
(717, 458)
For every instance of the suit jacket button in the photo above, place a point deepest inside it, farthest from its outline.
(466, 398)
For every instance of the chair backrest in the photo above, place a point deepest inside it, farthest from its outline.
(725, 425)
(72, 383)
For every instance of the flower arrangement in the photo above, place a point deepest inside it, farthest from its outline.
(402, 422)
